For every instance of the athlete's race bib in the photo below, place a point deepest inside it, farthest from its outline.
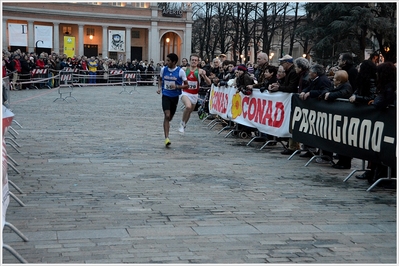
(169, 85)
(192, 85)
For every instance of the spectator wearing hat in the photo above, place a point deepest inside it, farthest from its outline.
(222, 58)
(291, 80)
(290, 85)
(243, 79)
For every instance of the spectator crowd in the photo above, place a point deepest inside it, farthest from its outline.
(371, 82)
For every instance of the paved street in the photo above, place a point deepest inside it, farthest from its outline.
(100, 187)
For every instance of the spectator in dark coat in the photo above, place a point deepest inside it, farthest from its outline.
(290, 85)
(243, 80)
(301, 66)
(342, 87)
(25, 71)
(319, 83)
(366, 81)
(291, 80)
(386, 86)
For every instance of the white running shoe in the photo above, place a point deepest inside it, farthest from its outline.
(181, 127)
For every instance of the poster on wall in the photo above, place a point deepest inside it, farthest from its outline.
(17, 34)
(44, 36)
(69, 46)
(116, 41)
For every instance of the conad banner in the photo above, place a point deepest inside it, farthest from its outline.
(355, 130)
(7, 116)
(268, 112)
(69, 46)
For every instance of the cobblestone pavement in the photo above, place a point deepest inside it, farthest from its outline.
(100, 187)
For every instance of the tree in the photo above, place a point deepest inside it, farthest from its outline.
(348, 27)
(385, 28)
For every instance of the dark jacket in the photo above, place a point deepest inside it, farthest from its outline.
(266, 83)
(341, 91)
(318, 86)
(352, 75)
(243, 81)
(385, 97)
(260, 75)
(291, 81)
(304, 80)
(25, 69)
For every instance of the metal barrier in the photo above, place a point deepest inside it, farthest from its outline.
(129, 78)
(41, 76)
(115, 77)
(147, 78)
(65, 82)
(50, 78)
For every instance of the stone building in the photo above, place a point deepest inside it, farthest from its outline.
(119, 30)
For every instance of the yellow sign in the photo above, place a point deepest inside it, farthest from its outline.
(69, 46)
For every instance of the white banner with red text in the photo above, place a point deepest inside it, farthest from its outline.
(269, 112)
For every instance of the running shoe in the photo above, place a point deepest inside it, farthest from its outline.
(181, 127)
(167, 142)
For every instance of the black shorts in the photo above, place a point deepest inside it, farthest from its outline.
(170, 103)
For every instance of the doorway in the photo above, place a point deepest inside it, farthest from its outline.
(136, 53)
(90, 50)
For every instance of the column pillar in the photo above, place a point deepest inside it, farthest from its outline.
(56, 42)
(153, 39)
(80, 50)
(128, 43)
(31, 36)
(187, 40)
(105, 41)
(5, 44)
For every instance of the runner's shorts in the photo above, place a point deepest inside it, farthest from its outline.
(170, 103)
(193, 97)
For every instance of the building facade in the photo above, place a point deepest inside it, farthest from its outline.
(118, 30)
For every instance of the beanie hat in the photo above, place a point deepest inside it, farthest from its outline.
(242, 67)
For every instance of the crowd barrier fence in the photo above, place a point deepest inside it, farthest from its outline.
(358, 131)
(49, 78)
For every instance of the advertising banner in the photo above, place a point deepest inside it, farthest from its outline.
(268, 112)
(69, 46)
(116, 41)
(355, 130)
(220, 101)
(44, 36)
(17, 34)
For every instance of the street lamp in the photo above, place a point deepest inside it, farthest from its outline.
(36, 45)
(167, 44)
